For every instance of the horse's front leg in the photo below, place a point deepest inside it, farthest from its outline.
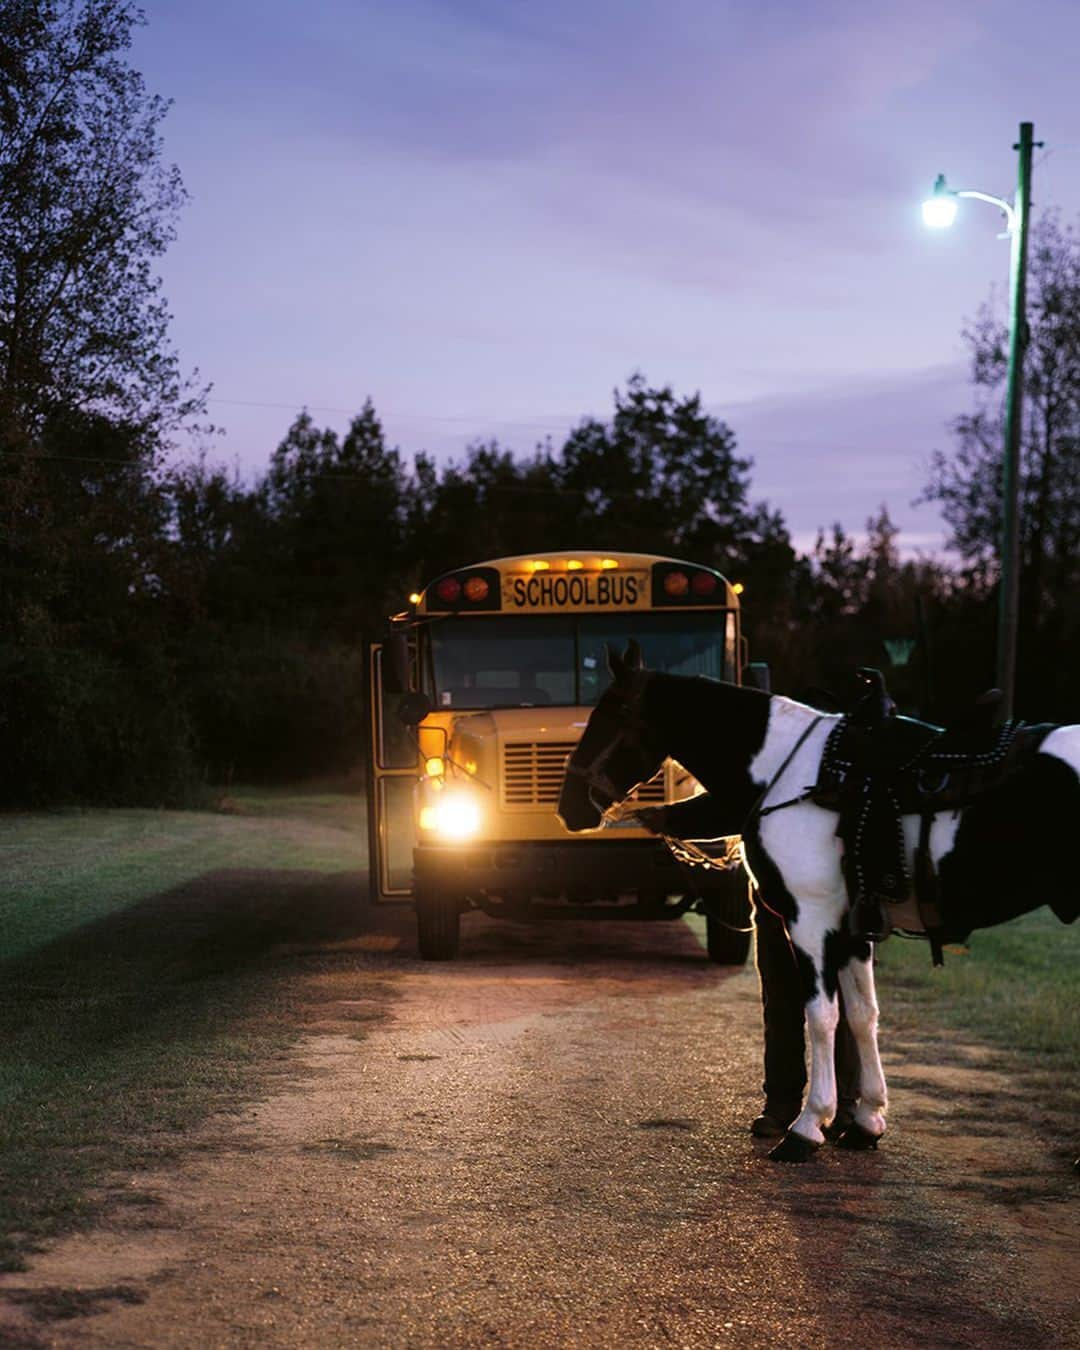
(809, 933)
(806, 1133)
(861, 1014)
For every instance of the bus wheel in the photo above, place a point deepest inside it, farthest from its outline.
(438, 925)
(727, 920)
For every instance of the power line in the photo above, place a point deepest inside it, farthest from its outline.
(554, 420)
(72, 459)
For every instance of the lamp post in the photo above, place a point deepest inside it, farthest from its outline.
(939, 210)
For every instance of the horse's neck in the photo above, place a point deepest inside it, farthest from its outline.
(792, 740)
(713, 729)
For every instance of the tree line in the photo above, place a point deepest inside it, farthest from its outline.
(165, 627)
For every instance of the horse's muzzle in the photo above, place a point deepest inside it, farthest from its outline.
(577, 808)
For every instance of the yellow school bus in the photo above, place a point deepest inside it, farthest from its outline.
(478, 697)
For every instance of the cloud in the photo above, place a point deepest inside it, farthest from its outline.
(839, 452)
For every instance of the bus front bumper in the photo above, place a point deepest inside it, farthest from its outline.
(582, 872)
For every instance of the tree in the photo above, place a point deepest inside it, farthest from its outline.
(335, 511)
(494, 505)
(968, 482)
(662, 474)
(90, 392)
(86, 205)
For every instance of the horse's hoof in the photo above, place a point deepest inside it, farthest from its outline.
(766, 1126)
(793, 1148)
(835, 1129)
(855, 1137)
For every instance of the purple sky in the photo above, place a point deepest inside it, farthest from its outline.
(485, 214)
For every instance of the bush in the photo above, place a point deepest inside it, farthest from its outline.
(80, 727)
(278, 709)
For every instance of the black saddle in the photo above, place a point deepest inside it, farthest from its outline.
(879, 766)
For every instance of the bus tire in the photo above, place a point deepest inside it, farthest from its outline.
(727, 920)
(438, 925)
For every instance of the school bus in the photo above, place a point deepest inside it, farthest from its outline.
(478, 696)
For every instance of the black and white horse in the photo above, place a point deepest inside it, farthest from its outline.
(1006, 853)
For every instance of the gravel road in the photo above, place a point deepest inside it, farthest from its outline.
(545, 1144)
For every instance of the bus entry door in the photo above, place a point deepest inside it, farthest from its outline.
(394, 758)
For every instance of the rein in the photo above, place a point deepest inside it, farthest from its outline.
(631, 731)
(690, 855)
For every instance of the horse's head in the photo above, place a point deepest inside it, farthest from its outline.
(616, 752)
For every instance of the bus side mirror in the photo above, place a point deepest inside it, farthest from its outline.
(758, 676)
(413, 708)
(396, 666)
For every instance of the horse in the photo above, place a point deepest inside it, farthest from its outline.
(758, 756)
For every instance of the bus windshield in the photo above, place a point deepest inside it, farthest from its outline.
(528, 662)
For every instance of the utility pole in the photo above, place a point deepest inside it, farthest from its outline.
(1009, 586)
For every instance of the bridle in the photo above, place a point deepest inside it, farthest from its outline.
(631, 733)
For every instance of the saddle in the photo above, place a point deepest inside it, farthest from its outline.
(879, 766)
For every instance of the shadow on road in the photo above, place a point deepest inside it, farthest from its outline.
(116, 970)
(655, 946)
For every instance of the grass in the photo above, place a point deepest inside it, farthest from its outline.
(1014, 991)
(139, 985)
(1016, 986)
(69, 868)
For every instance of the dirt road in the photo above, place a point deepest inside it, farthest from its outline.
(544, 1144)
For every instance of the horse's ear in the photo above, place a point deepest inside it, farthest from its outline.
(633, 659)
(614, 662)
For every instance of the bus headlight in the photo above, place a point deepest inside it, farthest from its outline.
(456, 815)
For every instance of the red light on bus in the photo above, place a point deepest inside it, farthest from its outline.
(476, 588)
(676, 584)
(449, 589)
(704, 583)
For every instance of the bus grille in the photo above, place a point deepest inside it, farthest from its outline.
(533, 774)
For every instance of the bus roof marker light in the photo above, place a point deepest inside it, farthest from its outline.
(540, 565)
(476, 588)
(574, 564)
(415, 598)
(738, 588)
(608, 563)
(449, 589)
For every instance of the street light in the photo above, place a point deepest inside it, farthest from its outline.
(939, 211)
